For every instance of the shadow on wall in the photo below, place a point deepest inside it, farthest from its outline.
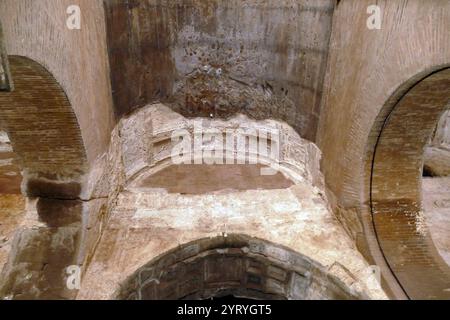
(233, 265)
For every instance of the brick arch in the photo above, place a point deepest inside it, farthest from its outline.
(43, 130)
(237, 265)
(394, 164)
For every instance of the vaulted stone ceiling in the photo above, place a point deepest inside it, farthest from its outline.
(215, 58)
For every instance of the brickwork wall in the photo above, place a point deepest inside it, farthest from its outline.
(379, 64)
(41, 124)
(397, 189)
(76, 58)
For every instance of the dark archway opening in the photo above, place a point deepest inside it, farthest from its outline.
(233, 267)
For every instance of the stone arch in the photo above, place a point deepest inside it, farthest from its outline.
(235, 265)
(378, 65)
(43, 130)
(293, 158)
(393, 173)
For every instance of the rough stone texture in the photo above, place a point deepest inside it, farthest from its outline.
(145, 223)
(76, 58)
(437, 155)
(12, 211)
(377, 64)
(441, 136)
(43, 246)
(147, 151)
(39, 242)
(5, 76)
(195, 179)
(144, 226)
(261, 58)
(36, 269)
(238, 265)
(10, 175)
(42, 241)
(437, 162)
(436, 207)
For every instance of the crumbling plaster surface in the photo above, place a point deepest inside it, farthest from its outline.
(144, 226)
(141, 145)
(43, 241)
(10, 175)
(442, 134)
(436, 189)
(437, 155)
(265, 59)
(145, 223)
(12, 212)
(436, 207)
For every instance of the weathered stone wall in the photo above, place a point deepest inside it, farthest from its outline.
(12, 209)
(437, 155)
(265, 59)
(441, 136)
(436, 206)
(5, 77)
(58, 118)
(42, 248)
(377, 63)
(144, 223)
(10, 176)
(41, 240)
(146, 141)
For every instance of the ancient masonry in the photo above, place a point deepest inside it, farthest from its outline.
(206, 149)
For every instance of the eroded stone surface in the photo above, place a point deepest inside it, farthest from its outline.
(40, 239)
(436, 203)
(145, 225)
(262, 58)
(145, 222)
(10, 176)
(437, 162)
(437, 154)
(12, 212)
(195, 179)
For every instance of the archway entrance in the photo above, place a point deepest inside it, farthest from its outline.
(44, 131)
(402, 132)
(236, 266)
